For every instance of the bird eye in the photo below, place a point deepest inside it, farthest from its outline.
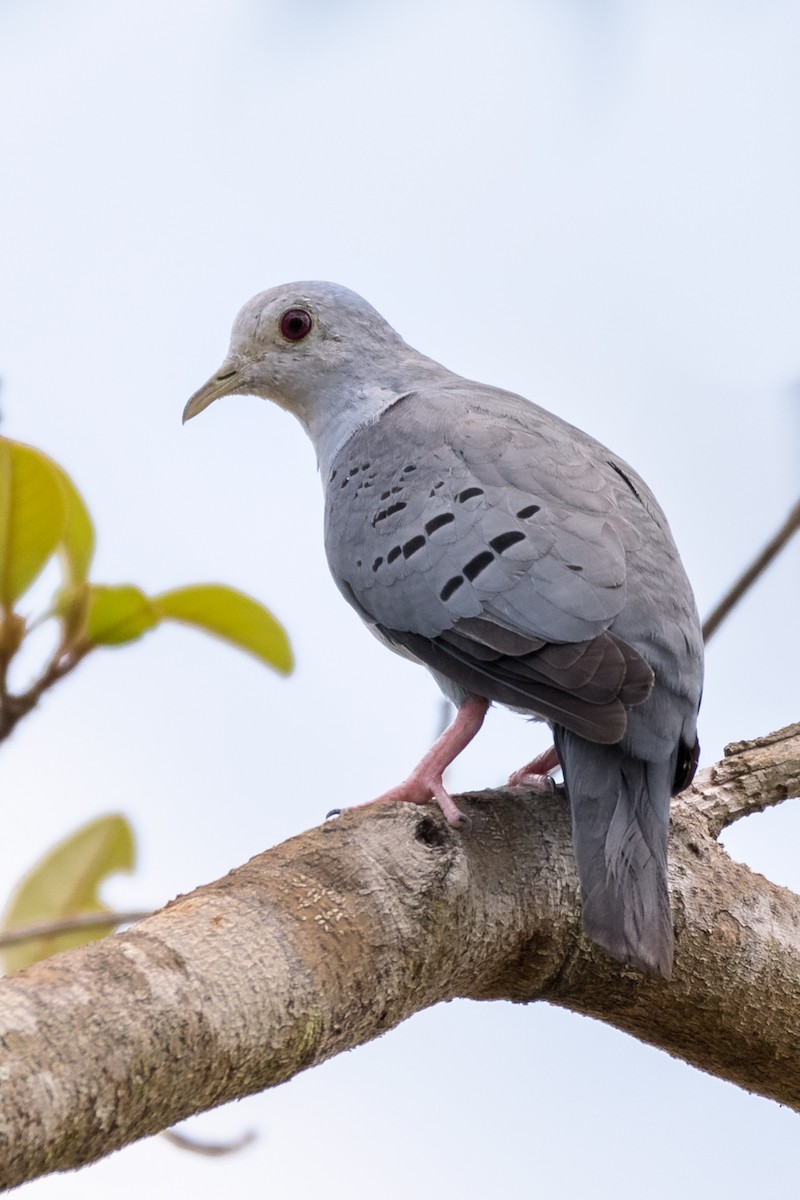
(295, 324)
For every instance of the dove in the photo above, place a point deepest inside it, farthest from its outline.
(519, 560)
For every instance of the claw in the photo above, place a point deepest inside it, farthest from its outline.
(536, 776)
(424, 785)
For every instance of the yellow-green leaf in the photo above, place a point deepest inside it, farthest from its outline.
(65, 884)
(231, 615)
(77, 539)
(117, 614)
(33, 513)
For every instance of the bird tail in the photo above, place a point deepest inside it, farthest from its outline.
(620, 827)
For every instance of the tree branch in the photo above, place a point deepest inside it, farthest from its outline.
(105, 921)
(13, 707)
(752, 777)
(752, 573)
(208, 1149)
(337, 935)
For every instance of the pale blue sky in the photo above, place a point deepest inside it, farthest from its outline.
(594, 204)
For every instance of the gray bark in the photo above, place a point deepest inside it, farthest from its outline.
(337, 935)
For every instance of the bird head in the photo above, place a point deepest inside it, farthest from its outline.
(306, 346)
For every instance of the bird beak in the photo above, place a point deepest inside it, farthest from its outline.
(224, 383)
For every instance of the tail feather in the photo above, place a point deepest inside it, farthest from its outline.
(620, 827)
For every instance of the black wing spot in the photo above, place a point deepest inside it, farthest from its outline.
(438, 522)
(353, 471)
(397, 488)
(385, 495)
(413, 545)
(344, 482)
(573, 567)
(451, 586)
(383, 513)
(365, 466)
(468, 493)
(394, 553)
(410, 467)
(504, 541)
(529, 510)
(477, 564)
(616, 467)
(334, 473)
(358, 562)
(377, 562)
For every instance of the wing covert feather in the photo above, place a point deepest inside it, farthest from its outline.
(499, 546)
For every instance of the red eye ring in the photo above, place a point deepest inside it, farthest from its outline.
(296, 324)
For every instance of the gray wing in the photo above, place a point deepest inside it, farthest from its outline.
(493, 543)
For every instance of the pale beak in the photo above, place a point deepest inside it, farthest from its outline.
(224, 383)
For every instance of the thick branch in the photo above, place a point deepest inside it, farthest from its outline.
(334, 937)
(752, 776)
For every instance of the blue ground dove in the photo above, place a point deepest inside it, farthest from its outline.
(514, 556)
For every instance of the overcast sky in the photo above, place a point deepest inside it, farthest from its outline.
(592, 203)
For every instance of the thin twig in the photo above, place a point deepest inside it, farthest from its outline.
(51, 929)
(209, 1149)
(749, 577)
(14, 707)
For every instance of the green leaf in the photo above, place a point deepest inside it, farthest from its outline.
(119, 614)
(65, 884)
(33, 514)
(231, 615)
(77, 539)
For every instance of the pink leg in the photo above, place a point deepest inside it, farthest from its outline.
(424, 784)
(536, 774)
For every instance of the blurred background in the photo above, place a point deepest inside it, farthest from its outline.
(592, 202)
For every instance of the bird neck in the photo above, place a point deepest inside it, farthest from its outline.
(346, 405)
(342, 413)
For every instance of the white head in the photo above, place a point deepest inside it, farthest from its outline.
(319, 351)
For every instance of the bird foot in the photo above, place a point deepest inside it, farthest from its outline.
(424, 785)
(536, 776)
(421, 788)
